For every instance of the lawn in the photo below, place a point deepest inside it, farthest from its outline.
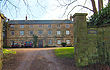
(65, 52)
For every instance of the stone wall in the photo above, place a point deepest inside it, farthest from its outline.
(1, 42)
(92, 44)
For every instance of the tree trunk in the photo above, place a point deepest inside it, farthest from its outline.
(94, 6)
(100, 4)
(108, 1)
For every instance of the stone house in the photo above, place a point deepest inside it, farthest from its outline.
(49, 32)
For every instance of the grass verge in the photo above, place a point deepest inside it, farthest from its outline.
(65, 52)
(8, 55)
(6, 51)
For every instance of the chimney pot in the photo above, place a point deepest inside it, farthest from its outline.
(71, 17)
(26, 17)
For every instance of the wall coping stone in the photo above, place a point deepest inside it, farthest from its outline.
(80, 14)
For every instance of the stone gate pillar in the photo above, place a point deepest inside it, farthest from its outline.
(1, 42)
(80, 38)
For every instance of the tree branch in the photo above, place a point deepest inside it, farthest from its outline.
(80, 6)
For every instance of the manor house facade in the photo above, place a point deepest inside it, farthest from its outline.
(49, 32)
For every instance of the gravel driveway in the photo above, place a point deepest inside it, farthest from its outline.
(37, 59)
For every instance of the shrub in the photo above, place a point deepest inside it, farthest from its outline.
(63, 44)
(46, 46)
(6, 47)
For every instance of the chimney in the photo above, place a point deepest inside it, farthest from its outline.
(8, 19)
(26, 17)
(71, 17)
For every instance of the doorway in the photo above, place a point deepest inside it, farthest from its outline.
(40, 44)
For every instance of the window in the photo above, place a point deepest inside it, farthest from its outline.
(12, 26)
(49, 41)
(67, 26)
(12, 42)
(12, 33)
(40, 26)
(58, 32)
(58, 41)
(22, 41)
(31, 32)
(21, 32)
(67, 32)
(68, 41)
(50, 32)
(21, 26)
(30, 26)
(3, 34)
(58, 26)
(49, 26)
(40, 31)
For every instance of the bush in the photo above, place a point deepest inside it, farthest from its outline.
(6, 47)
(63, 44)
(46, 46)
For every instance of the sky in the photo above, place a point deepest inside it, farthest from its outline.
(42, 9)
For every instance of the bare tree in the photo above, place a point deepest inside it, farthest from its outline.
(94, 10)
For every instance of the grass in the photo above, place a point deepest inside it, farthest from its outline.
(65, 52)
(6, 51)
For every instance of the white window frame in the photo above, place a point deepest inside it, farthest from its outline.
(49, 41)
(39, 32)
(58, 25)
(68, 41)
(21, 26)
(30, 32)
(49, 26)
(13, 32)
(58, 32)
(30, 26)
(58, 41)
(21, 33)
(67, 25)
(49, 32)
(67, 32)
(12, 26)
(40, 26)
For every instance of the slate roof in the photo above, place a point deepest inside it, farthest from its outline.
(39, 21)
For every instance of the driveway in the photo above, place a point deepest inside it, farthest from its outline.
(37, 59)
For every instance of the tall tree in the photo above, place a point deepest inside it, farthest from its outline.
(100, 4)
(35, 38)
(108, 1)
(94, 6)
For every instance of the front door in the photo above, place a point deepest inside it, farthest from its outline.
(40, 44)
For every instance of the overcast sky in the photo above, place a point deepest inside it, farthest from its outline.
(42, 10)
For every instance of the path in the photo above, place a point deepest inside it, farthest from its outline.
(38, 59)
